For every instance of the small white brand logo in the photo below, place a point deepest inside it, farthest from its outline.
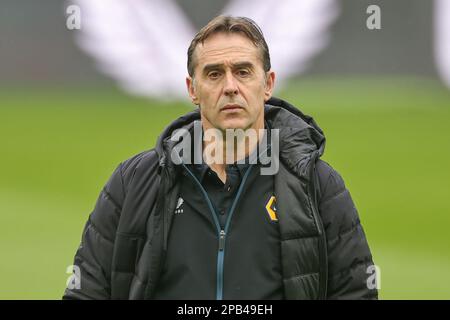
(178, 208)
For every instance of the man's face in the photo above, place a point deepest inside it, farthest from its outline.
(230, 84)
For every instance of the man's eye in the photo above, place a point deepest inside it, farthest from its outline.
(213, 75)
(243, 72)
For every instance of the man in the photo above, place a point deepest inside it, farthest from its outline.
(165, 227)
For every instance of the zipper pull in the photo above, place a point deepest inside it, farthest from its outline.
(222, 240)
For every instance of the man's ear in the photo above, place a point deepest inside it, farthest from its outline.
(270, 83)
(191, 90)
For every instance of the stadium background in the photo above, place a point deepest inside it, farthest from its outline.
(64, 127)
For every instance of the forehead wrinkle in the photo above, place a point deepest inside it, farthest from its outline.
(217, 52)
(220, 56)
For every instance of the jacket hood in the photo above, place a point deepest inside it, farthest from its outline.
(300, 138)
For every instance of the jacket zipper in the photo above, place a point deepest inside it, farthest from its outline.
(222, 233)
(222, 240)
(220, 260)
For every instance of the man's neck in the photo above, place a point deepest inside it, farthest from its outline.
(231, 150)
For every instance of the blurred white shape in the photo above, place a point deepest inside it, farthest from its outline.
(142, 44)
(442, 38)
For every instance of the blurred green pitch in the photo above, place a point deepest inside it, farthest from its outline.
(388, 137)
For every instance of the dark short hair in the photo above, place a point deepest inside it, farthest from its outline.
(229, 24)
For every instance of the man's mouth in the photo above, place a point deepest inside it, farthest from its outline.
(231, 108)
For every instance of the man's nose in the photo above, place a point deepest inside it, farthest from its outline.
(231, 87)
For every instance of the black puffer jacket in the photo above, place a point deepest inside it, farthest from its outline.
(324, 250)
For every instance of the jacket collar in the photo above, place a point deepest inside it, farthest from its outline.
(301, 139)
